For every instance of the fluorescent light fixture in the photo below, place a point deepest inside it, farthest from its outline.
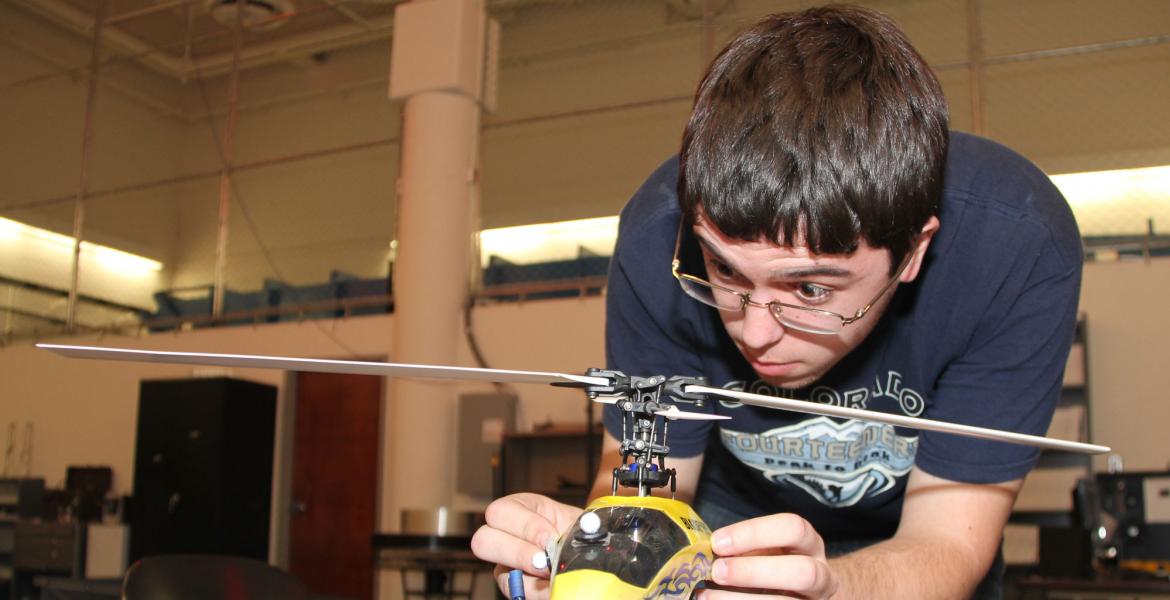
(112, 258)
(10, 230)
(1118, 202)
(1104, 202)
(120, 260)
(544, 242)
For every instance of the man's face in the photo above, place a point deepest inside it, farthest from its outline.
(840, 283)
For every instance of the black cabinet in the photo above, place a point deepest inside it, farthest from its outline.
(203, 468)
(555, 462)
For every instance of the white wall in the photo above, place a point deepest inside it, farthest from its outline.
(85, 412)
(1129, 378)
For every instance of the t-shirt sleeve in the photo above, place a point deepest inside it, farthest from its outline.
(1010, 374)
(649, 325)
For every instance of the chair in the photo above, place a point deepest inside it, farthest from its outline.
(205, 577)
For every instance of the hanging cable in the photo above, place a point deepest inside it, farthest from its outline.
(239, 202)
(472, 343)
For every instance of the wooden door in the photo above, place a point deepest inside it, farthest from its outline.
(335, 479)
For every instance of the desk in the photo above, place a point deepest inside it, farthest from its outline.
(1047, 588)
(67, 588)
(45, 549)
(432, 566)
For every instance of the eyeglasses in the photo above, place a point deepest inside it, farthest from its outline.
(802, 318)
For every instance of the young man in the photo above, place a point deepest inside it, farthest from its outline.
(833, 243)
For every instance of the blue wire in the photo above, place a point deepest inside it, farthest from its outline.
(516, 584)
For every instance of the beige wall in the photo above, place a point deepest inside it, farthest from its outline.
(83, 412)
(1129, 378)
(592, 96)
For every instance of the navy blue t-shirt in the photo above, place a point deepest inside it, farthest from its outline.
(980, 337)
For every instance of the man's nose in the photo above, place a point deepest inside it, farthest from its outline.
(760, 329)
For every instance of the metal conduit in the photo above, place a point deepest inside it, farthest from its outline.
(229, 157)
(83, 183)
(975, 63)
(333, 150)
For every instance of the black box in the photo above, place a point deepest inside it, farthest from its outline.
(203, 468)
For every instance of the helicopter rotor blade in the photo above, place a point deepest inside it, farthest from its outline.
(673, 413)
(510, 376)
(803, 406)
(322, 365)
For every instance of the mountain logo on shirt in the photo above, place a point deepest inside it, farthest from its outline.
(839, 464)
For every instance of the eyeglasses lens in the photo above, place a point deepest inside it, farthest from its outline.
(803, 320)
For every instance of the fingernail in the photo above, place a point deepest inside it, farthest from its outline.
(719, 571)
(720, 543)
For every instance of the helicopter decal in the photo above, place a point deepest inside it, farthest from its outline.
(682, 582)
(632, 547)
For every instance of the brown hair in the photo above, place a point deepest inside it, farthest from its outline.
(818, 128)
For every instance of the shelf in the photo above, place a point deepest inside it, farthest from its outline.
(1047, 518)
(1045, 501)
(543, 462)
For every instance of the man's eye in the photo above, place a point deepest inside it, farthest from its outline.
(812, 293)
(720, 270)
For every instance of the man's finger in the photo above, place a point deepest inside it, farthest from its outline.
(561, 515)
(506, 550)
(804, 576)
(780, 533)
(532, 517)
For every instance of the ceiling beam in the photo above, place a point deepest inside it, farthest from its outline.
(134, 14)
(82, 23)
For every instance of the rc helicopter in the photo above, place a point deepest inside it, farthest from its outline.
(641, 547)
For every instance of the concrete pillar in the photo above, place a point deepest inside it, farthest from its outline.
(437, 67)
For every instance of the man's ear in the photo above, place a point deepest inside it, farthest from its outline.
(919, 250)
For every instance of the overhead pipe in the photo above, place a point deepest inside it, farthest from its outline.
(348, 13)
(130, 93)
(86, 149)
(178, 68)
(149, 10)
(1153, 40)
(65, 14)
(288, 158)
(157, 60)
(228, 150)
(706, 35)
(975, 64)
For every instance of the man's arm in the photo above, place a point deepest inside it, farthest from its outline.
(686, 472)
(948, 537)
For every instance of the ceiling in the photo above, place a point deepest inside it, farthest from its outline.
(180, 38)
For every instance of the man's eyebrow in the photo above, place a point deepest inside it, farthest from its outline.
(813, 271)
(790, 273)
(710, 249)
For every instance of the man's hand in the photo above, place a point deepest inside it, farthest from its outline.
(519, 526)
(777, 556)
